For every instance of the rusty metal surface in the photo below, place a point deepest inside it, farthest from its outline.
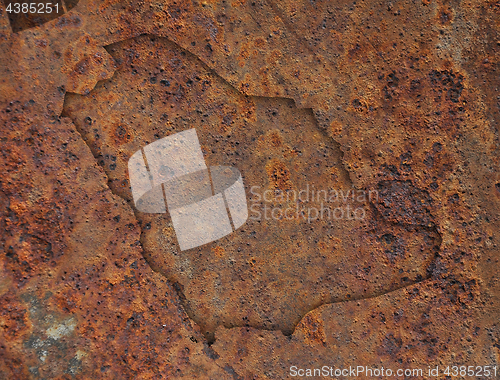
(399, 97)
(274, 269)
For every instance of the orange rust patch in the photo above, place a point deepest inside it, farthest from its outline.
(218, 251)
(279, 175)
(275, 139)
(313, 329)
(259, 42)
(335, 128)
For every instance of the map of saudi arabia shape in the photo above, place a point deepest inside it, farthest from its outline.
(268, 273)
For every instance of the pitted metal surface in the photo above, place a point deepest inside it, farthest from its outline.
(397, 97)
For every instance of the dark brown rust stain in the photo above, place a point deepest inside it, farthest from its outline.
(445, 14)
(401, 202)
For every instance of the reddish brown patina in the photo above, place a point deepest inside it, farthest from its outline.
(397, 98)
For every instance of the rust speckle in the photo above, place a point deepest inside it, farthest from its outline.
(445, 15)
(259, 43)
(218, 251)
(122, 133)
(279, 175)
(13, 318)
(312, 328)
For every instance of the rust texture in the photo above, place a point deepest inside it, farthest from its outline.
(271, 272)
(400, 98)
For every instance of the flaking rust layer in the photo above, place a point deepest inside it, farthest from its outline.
(401, 97)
